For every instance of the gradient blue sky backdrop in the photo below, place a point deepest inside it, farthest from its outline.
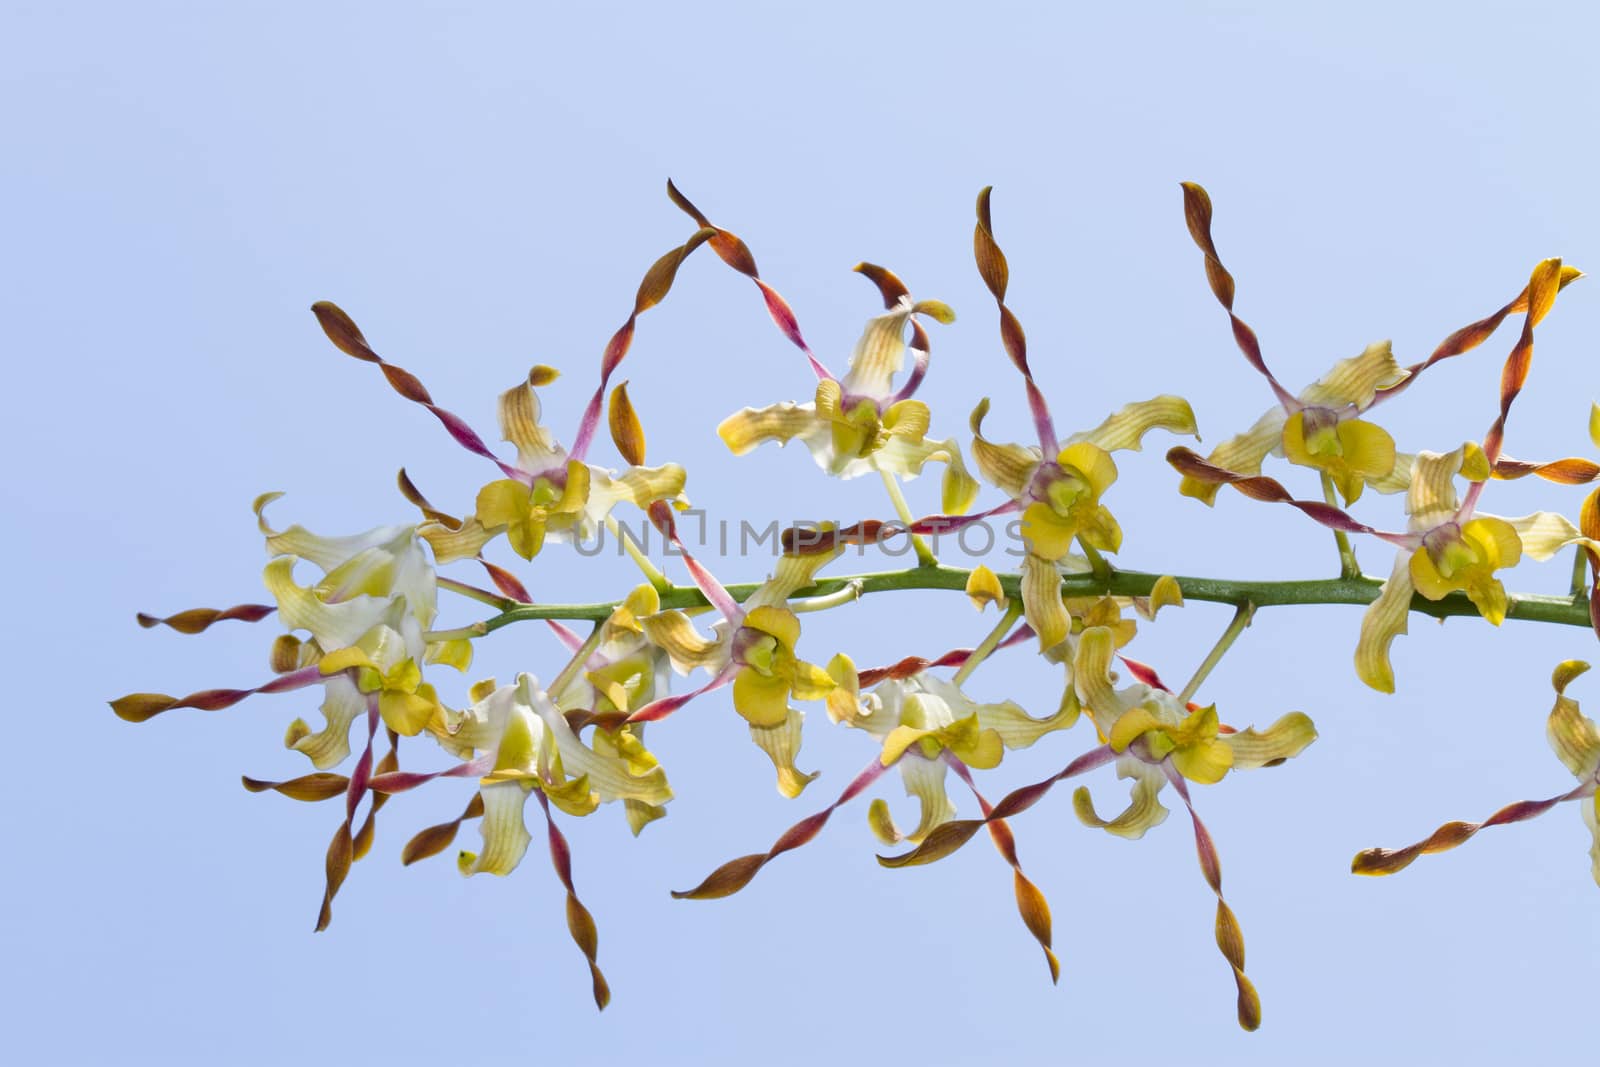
(481, 186)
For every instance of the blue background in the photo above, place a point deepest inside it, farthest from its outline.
(481, 187)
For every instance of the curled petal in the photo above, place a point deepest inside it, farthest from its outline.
(1143, 813)
(674, 634)
(1125, 428)
(1544, 533)
(1357, 381)
(1018, 729)
(1042, 603)
(1007, 467)
(537, 451)
(342, 702)
(1572, 735)
(505, 835)
(1242, 453)
(1284, 739)
(744, 430)
(781, 743)
(1384, 620)
(924, 779)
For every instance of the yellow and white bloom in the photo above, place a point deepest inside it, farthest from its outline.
(861, 423)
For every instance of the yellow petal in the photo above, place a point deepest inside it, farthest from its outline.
(1571, 734)
(1496, 540)
(1385, 618)
(503, 502)
(762, 699)
(342, 703)
(1125, 429)
(924, 779)
(781, 743)
(537, 451)
(1091, 675)
(1286, 738)
(1017, 729)
(1093, 461)
(1047, 534)
(744, 430)
(1431, 500)
(1544, 533)
(1144, 810)
(1007, 467)
(1041, 601)
(1357, 379)
(1130, 726)
(810, 682)
(1368, 448)
(505, 836)
(908, 419)
(1206, 762)
(1426, 577)
(1242, 453)
(880, 354)
(983, 588)
(674, 634)
(779, 622)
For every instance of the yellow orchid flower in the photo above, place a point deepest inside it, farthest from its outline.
(1448, 548)
(1149, 730)
(1321, 428)
(535, 747)
(382, 668)
(753, 650)
(860, 423)
(548, 494)
(1060, 499)
(767, 670)
(367, 617)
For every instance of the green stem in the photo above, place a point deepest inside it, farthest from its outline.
(1007, 620)
(579, 659)
(1580, 571)
(1241, 619)
(1533, 607)
(925, 556)
(1349, 567)
(651, 572)
(494, 600)
(1097, 563)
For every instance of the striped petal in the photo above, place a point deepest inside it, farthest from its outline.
(744, 430)
(1007, 467)
(1042, 605)
(674, 634)
(1144, 811)
(879, 355)
(1125, 428)
(1286, 738)
(781, 743)
(1384, 620)
(537, 451)
(505, 835)
(342, 702)
(1241, 454)
(1572, 735)
(1356, 380)
(925, 780)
